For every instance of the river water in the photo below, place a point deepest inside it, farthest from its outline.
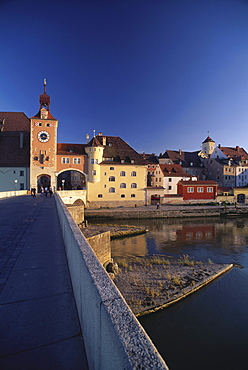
(209, 329)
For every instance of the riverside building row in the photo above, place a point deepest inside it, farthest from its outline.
(106, 170)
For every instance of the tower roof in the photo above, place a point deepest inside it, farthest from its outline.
(208, 140)
(45, 98)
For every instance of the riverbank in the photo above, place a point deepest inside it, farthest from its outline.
(116, 231)
(150, 284)
(165, 211)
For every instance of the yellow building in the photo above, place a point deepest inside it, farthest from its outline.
(116, 173)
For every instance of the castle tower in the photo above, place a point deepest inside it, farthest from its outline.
(95, 156)
(43, 145)
(208, 146)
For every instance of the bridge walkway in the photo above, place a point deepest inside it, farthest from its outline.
(38, 318)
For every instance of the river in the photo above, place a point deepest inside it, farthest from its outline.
(209, 329)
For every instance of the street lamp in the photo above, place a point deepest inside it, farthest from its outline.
(63, 184)
(15, 181)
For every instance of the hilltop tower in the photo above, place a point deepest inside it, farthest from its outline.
(208, 146)
(43, 145)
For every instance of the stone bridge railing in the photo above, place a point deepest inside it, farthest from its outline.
(113, 337)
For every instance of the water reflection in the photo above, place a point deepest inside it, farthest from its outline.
(209, 329)
(221, 240)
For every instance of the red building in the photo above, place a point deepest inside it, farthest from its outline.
(199, 189)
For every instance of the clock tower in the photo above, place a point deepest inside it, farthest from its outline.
(43, 145)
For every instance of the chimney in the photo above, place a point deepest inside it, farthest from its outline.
(99, 133)
(237, 148)
(219, 145)
(104, 141)
(180, 151)
(21, 140)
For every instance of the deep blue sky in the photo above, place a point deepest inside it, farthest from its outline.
(158, 73)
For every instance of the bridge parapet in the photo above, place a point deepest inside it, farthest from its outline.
(71, 196)
(114, 339)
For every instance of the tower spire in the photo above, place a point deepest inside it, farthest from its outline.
(44, 98)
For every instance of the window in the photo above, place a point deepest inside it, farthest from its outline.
(190, 190)
(111, 190)
(99, 195)
(123, 185)
(122, 195)
(210, 189)
(111, 168)
(21, 173)
(133, 185)
(76, 160)
(21, 186)
(94, 172)
(65, 160)
(133, 173)
(169, 188)
(170, 179)
(200, 190)
(92, 161)
(123, 173)
(111, 178)
(132, 195)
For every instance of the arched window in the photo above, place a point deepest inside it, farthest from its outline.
(123, 173)
(132, 195)
(123, 185)
(99, 195)
(133, 185)
(122, 195)
(111, 168)
(133, 173)
(111, 190)
(111, 178)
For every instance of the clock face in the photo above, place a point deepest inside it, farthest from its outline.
(43, 136)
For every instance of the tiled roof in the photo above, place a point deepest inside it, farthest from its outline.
(14, 121)
(184, 158)
(236, 153)
(71, 149)
(173, 170)
(208, 139)
(118, 151)
(198, 182)
(11, 155)
(94, 142)
(150, 158)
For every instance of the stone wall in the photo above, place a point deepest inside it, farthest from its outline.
(77, 212)
(101, 246)
(115, 204)
(151, 213)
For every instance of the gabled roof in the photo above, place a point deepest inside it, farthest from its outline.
(173, 170)
(11, 155)
(150, 158)
(71, 149)
(49, 116)
(118, 151)
(185, 159)
(236, 153)
(14, 121)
